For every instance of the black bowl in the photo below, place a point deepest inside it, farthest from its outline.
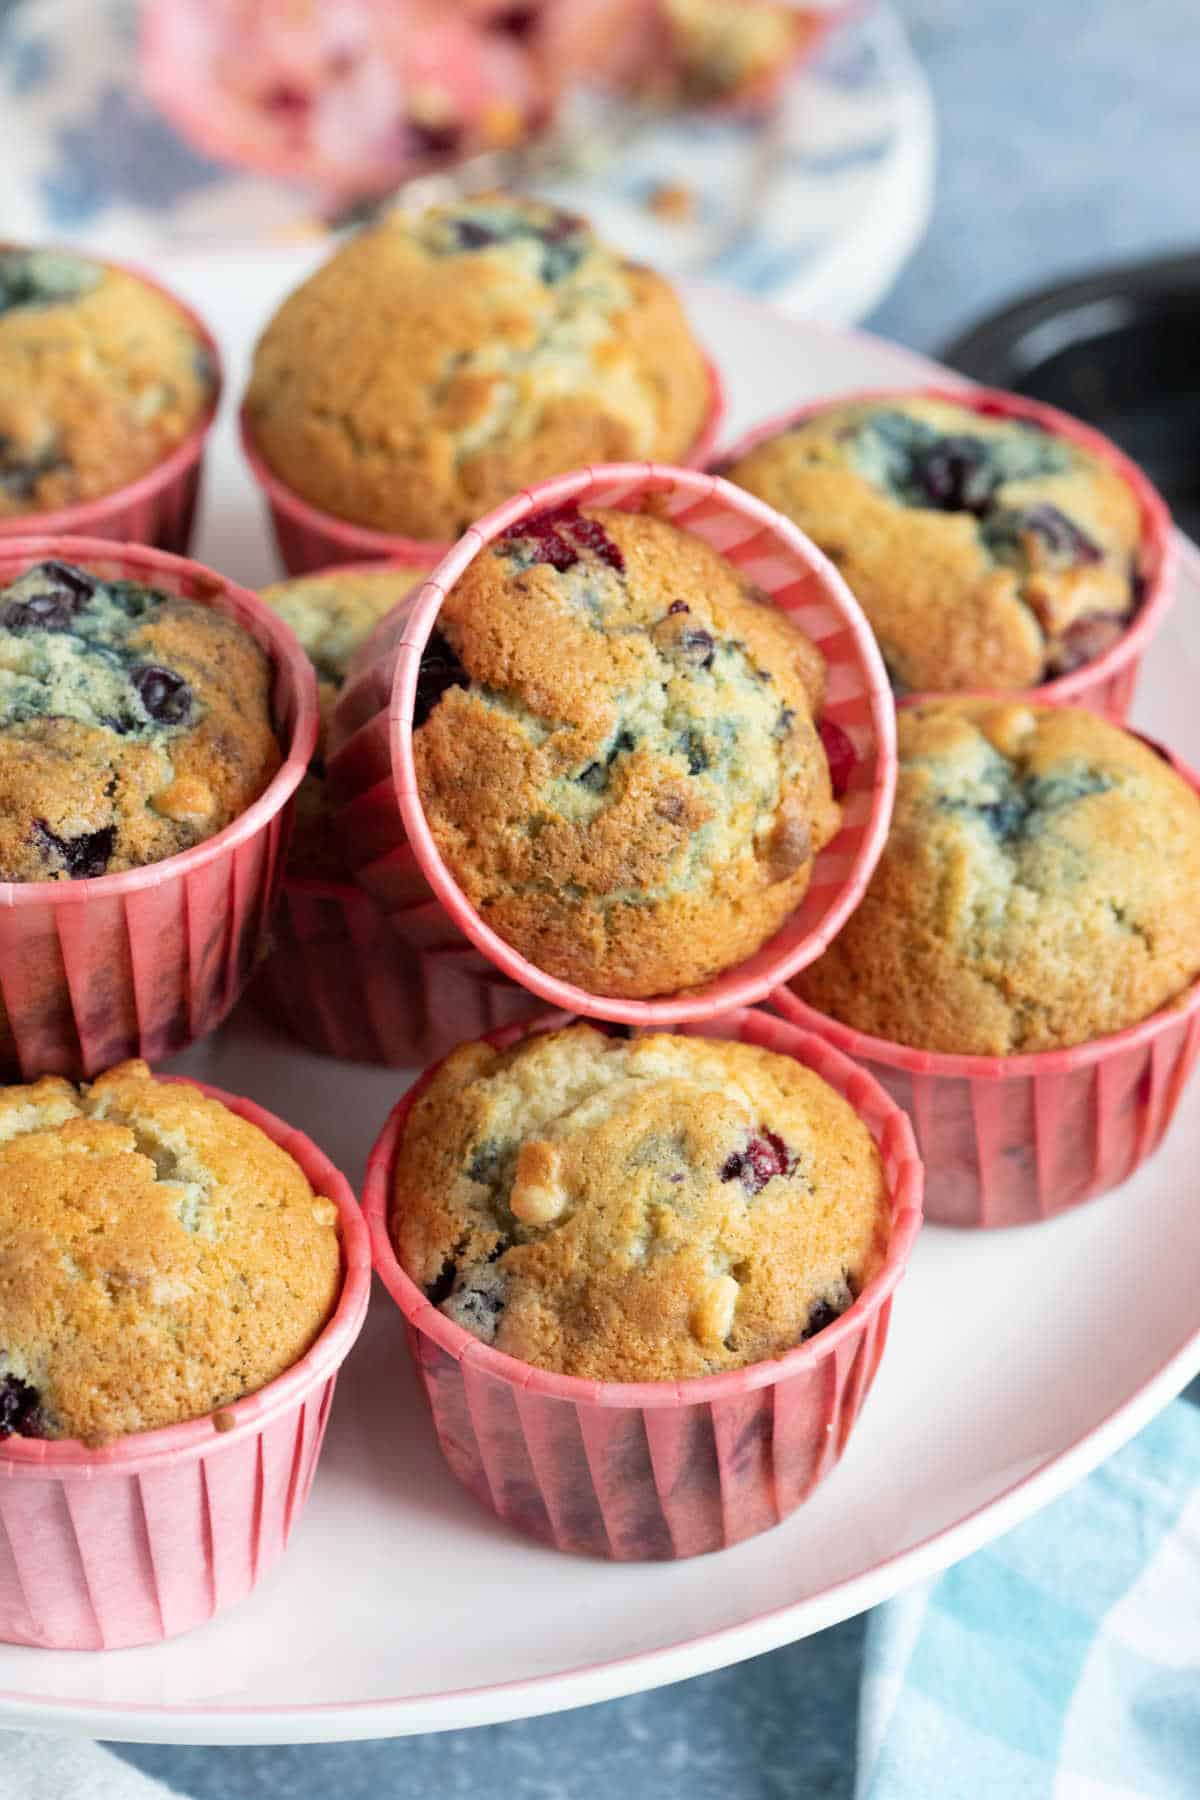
(1120, 349)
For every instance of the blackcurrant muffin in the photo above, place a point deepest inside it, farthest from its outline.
(441, 362)
(133, 724)
(986, 551)
(333, 614)
(160, 1257)
(616, 751)
(649, 1209)
(1040, 886)
(101, 376)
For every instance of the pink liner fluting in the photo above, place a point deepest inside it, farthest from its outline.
(1009, 1140)
(341, 980)
(309, 539)
(384, 829)
(642, 1471)
(159, 508)
(1106, 685)
(153, 1534)
(144, 962)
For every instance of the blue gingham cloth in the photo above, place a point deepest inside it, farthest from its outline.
(1063, 1661)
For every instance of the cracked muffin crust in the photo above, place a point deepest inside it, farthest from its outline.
(132, 724)
(160, 1257)
(986, 552)
(495, 342)
(650, 1209)
(616, 753)
(1040, 887)
(333, 614)
(100, 378)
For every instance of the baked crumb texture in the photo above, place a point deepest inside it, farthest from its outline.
(160, 1257)
(616, 752)
(133, 724)
(495, 342)
(1040, 887)
(101, 376)
(986, 552)
(648, 1209)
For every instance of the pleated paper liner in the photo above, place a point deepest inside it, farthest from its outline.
(341, 980)
(144, 962)
(656, 1470)
(309, 539)
(1107, 684)
(158, 1532)
(159, 508)
(383, 828)
(1009, 1140)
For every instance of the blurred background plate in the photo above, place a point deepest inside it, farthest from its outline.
(817, 207)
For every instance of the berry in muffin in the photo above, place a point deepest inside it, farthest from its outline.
(440, 363)
(101, 376)
(616, 752)
(1040, 887)
(333, 614)
(132, 724)
(986, 552)
(160, 1257)
(648, 1209)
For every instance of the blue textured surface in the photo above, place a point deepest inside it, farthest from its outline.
(1070, 137)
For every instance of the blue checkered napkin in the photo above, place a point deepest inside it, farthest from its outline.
(1062, 1662)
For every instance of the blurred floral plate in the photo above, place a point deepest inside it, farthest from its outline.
(817, 208)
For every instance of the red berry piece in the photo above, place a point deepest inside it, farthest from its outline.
(840, 754)
(763, 1158)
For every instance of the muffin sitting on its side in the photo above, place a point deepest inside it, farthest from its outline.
(616, 752)
(644, 1210)
(986, 553)
(133, 724)
(333, 614)
(1040, 887)
(438, 364)
(160, 1257)
(100, 378)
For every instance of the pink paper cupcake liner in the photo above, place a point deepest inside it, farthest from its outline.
(159, 508)
(384, 831)
(1106, 685)
(309, 539)
(158, 1532)
(1008, 1140)
(342, 981)
(645, 1471)
(144, 962)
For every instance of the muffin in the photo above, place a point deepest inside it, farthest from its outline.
(649, 1209)
(494, 343)
(1040, 887)
(101, 376)
(615, 751)
(333, 614)
(160, 1257)
(133, 724)
(710, 51)
(986, 552)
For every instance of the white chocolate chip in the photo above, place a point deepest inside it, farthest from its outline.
(712, 1316)
(538, 1197)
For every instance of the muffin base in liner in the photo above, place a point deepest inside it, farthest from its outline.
(341, 980)
(1009, 1140)
(309, 540)
(144, 962)
(383, 829)
(159, 508)
(657, 1470)
(1107, 684)
(155, 1533)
